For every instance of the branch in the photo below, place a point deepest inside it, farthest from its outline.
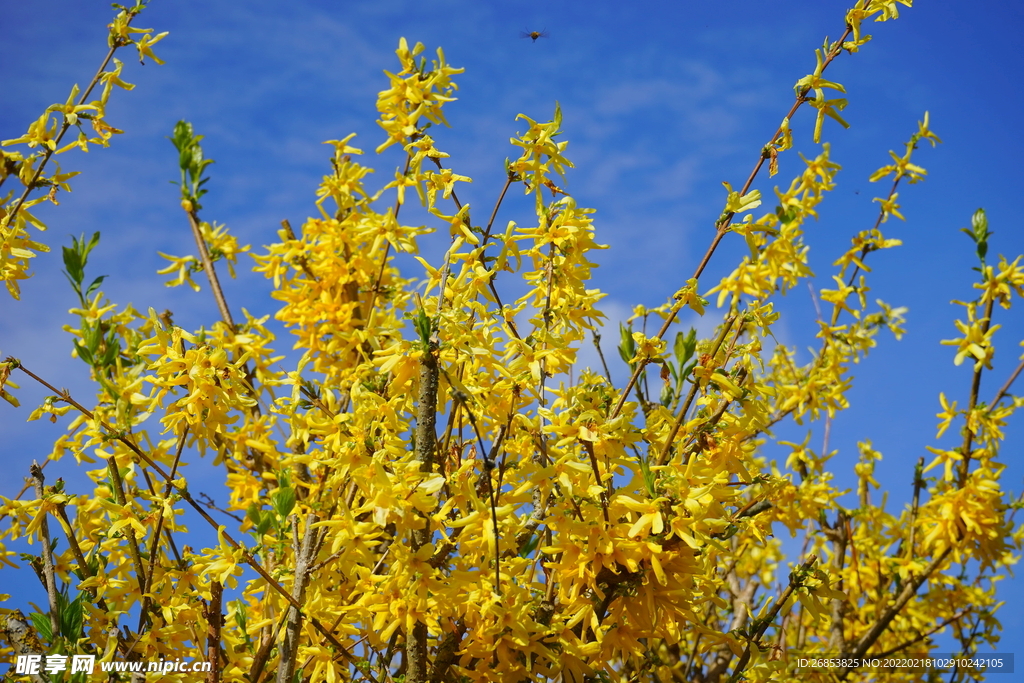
(426, 444)
(211, 273)
(1006, 387)
(908, 592)
(215, 621)
(965, 450)
(187, 497)
(722, 226)
(304, 556)
(44, 532)
(131, 13)
(795, 581)
(23, 639)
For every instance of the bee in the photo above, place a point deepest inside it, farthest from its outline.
(534, 35)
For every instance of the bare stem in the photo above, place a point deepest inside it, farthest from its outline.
(426, 444)
(908, 592)
(48, 575)
(305, 554)
(211, 273)
(187, 497)
(965, 450)
(22, 639)
(132, 12)
(795, 581)
(722, 226)
(215, 621)
(1006, 387)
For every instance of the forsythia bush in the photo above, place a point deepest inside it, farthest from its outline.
(435, 490)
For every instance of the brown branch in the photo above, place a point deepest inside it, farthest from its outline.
(741, 598)
(76, 549)
(215, 621)
(211, 273)
(965, 450)
(915, 503)
(305, 554)
(23, 639)
(446, 652)
(867, 248)
(44, 531)
(681, 417)
(303, 261)
(796, 579)
(129, 531)
(155, 545)
(596, 338)
(840, 536)
(1006, 387)
(187, 497)
(426, 444)
(387, 252)
(907, 643)
(882, 623)
(131, 13)
(589, 447)
(722, 225)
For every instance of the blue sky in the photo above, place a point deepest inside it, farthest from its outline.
(661, 101)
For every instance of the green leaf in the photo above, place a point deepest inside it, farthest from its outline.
(529, 546)
(979, 234)
(113, 349)
(668, 393)
(645, 469)
(191, 161)
(253, 513)
(70, 613)
(95, 285)
(72, 264)
(83, 353)
(43, 628)
(423, 326)
(283, 500)
(75, 259)
(627, 346)
(684, 347)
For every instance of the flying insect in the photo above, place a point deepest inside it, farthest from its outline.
(533, 35)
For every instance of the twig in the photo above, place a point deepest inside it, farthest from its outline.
(1006, 387)
(119, 43)
(387, 252)
(907, 643)
(129, 531)
(589, 447)
(667, 446)
(722, 226)
(795, 581)
(305, 554)
(187, 497)
(915, 504)
(211, 273)
(212, 504)
(44, 532)
(882, 623)
(215, 621)
(155, 545)
(23, 639)
(597, 345)
(303, 261)
(965, 450)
